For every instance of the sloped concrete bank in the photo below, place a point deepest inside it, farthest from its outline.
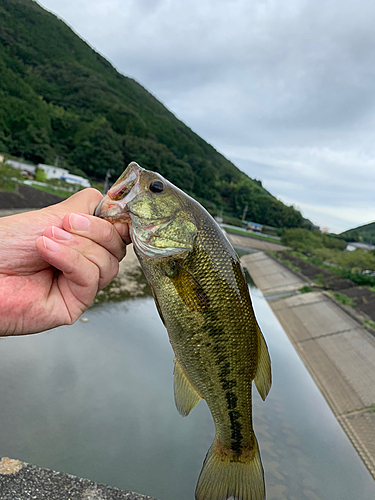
(21, 481)
(337, 351)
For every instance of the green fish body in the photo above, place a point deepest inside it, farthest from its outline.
(203, 300)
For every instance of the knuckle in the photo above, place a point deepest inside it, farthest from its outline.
(75, 260)
(112, 267)
(109, 272)
(115, 268)
(107, 232)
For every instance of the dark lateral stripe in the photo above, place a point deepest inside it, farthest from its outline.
(231, 400)
(236, 434)
(228, 384)
(224, 371)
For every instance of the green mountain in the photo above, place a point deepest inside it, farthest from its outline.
(58, 97)
(363, 234)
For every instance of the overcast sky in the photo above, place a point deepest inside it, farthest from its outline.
(286, 90)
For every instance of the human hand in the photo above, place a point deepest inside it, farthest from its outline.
(53, 261)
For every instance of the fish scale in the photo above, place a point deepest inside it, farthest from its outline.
(203, 300)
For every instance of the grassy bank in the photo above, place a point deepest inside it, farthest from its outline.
(57, 192)
(346, 285)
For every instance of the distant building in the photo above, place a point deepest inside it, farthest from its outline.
(76, 179)
(363, 246)
(254, 226)
(24, 167)
(53, 172)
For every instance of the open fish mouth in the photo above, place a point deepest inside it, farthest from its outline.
(112, 211)
(123, 217)
(113, 206)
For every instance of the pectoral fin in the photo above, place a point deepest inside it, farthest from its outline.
(263, 378)
(189, 289)
(185, 396)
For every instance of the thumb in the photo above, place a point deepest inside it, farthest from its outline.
(84, 201)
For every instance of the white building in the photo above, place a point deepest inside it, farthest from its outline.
(53, 172)
(24, 167)
(363, 246)
(76, 179)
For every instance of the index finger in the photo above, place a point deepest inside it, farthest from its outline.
(98, 230)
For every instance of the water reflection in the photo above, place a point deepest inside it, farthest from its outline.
(96, 400)
(129, 283)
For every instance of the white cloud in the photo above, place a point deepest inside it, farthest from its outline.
(337, 219)
(285, 89)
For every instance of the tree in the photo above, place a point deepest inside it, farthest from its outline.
(302, 239)
(98, 148)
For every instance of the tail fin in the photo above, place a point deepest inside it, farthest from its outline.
(224, 478)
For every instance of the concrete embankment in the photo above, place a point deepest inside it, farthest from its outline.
(337, 351)
(21, 481)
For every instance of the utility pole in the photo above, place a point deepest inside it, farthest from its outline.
(244, 213)
(106, 182)
(59, 159)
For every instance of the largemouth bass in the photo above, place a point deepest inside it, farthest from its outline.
(203, 300)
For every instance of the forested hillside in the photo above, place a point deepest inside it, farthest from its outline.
(364, 234)
(58, 97)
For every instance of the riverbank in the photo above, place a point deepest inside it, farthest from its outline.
(358, 296)
(19, 480)
(248, 241)
(26, 198)
(337, 351)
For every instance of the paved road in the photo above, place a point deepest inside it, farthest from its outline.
(247, 241)
(337, 351)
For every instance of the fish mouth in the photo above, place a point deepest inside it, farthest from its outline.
(112, 211)
(124, 218)
(113, 207)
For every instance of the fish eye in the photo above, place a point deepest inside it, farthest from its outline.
(156, 186)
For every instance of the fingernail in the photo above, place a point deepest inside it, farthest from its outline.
(78, 222)
(51, 245)
(60, 234)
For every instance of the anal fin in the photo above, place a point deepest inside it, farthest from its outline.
(185, 396)
(263, 377)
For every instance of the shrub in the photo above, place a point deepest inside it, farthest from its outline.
(40, 175)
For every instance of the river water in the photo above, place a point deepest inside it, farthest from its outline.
(96, 400)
